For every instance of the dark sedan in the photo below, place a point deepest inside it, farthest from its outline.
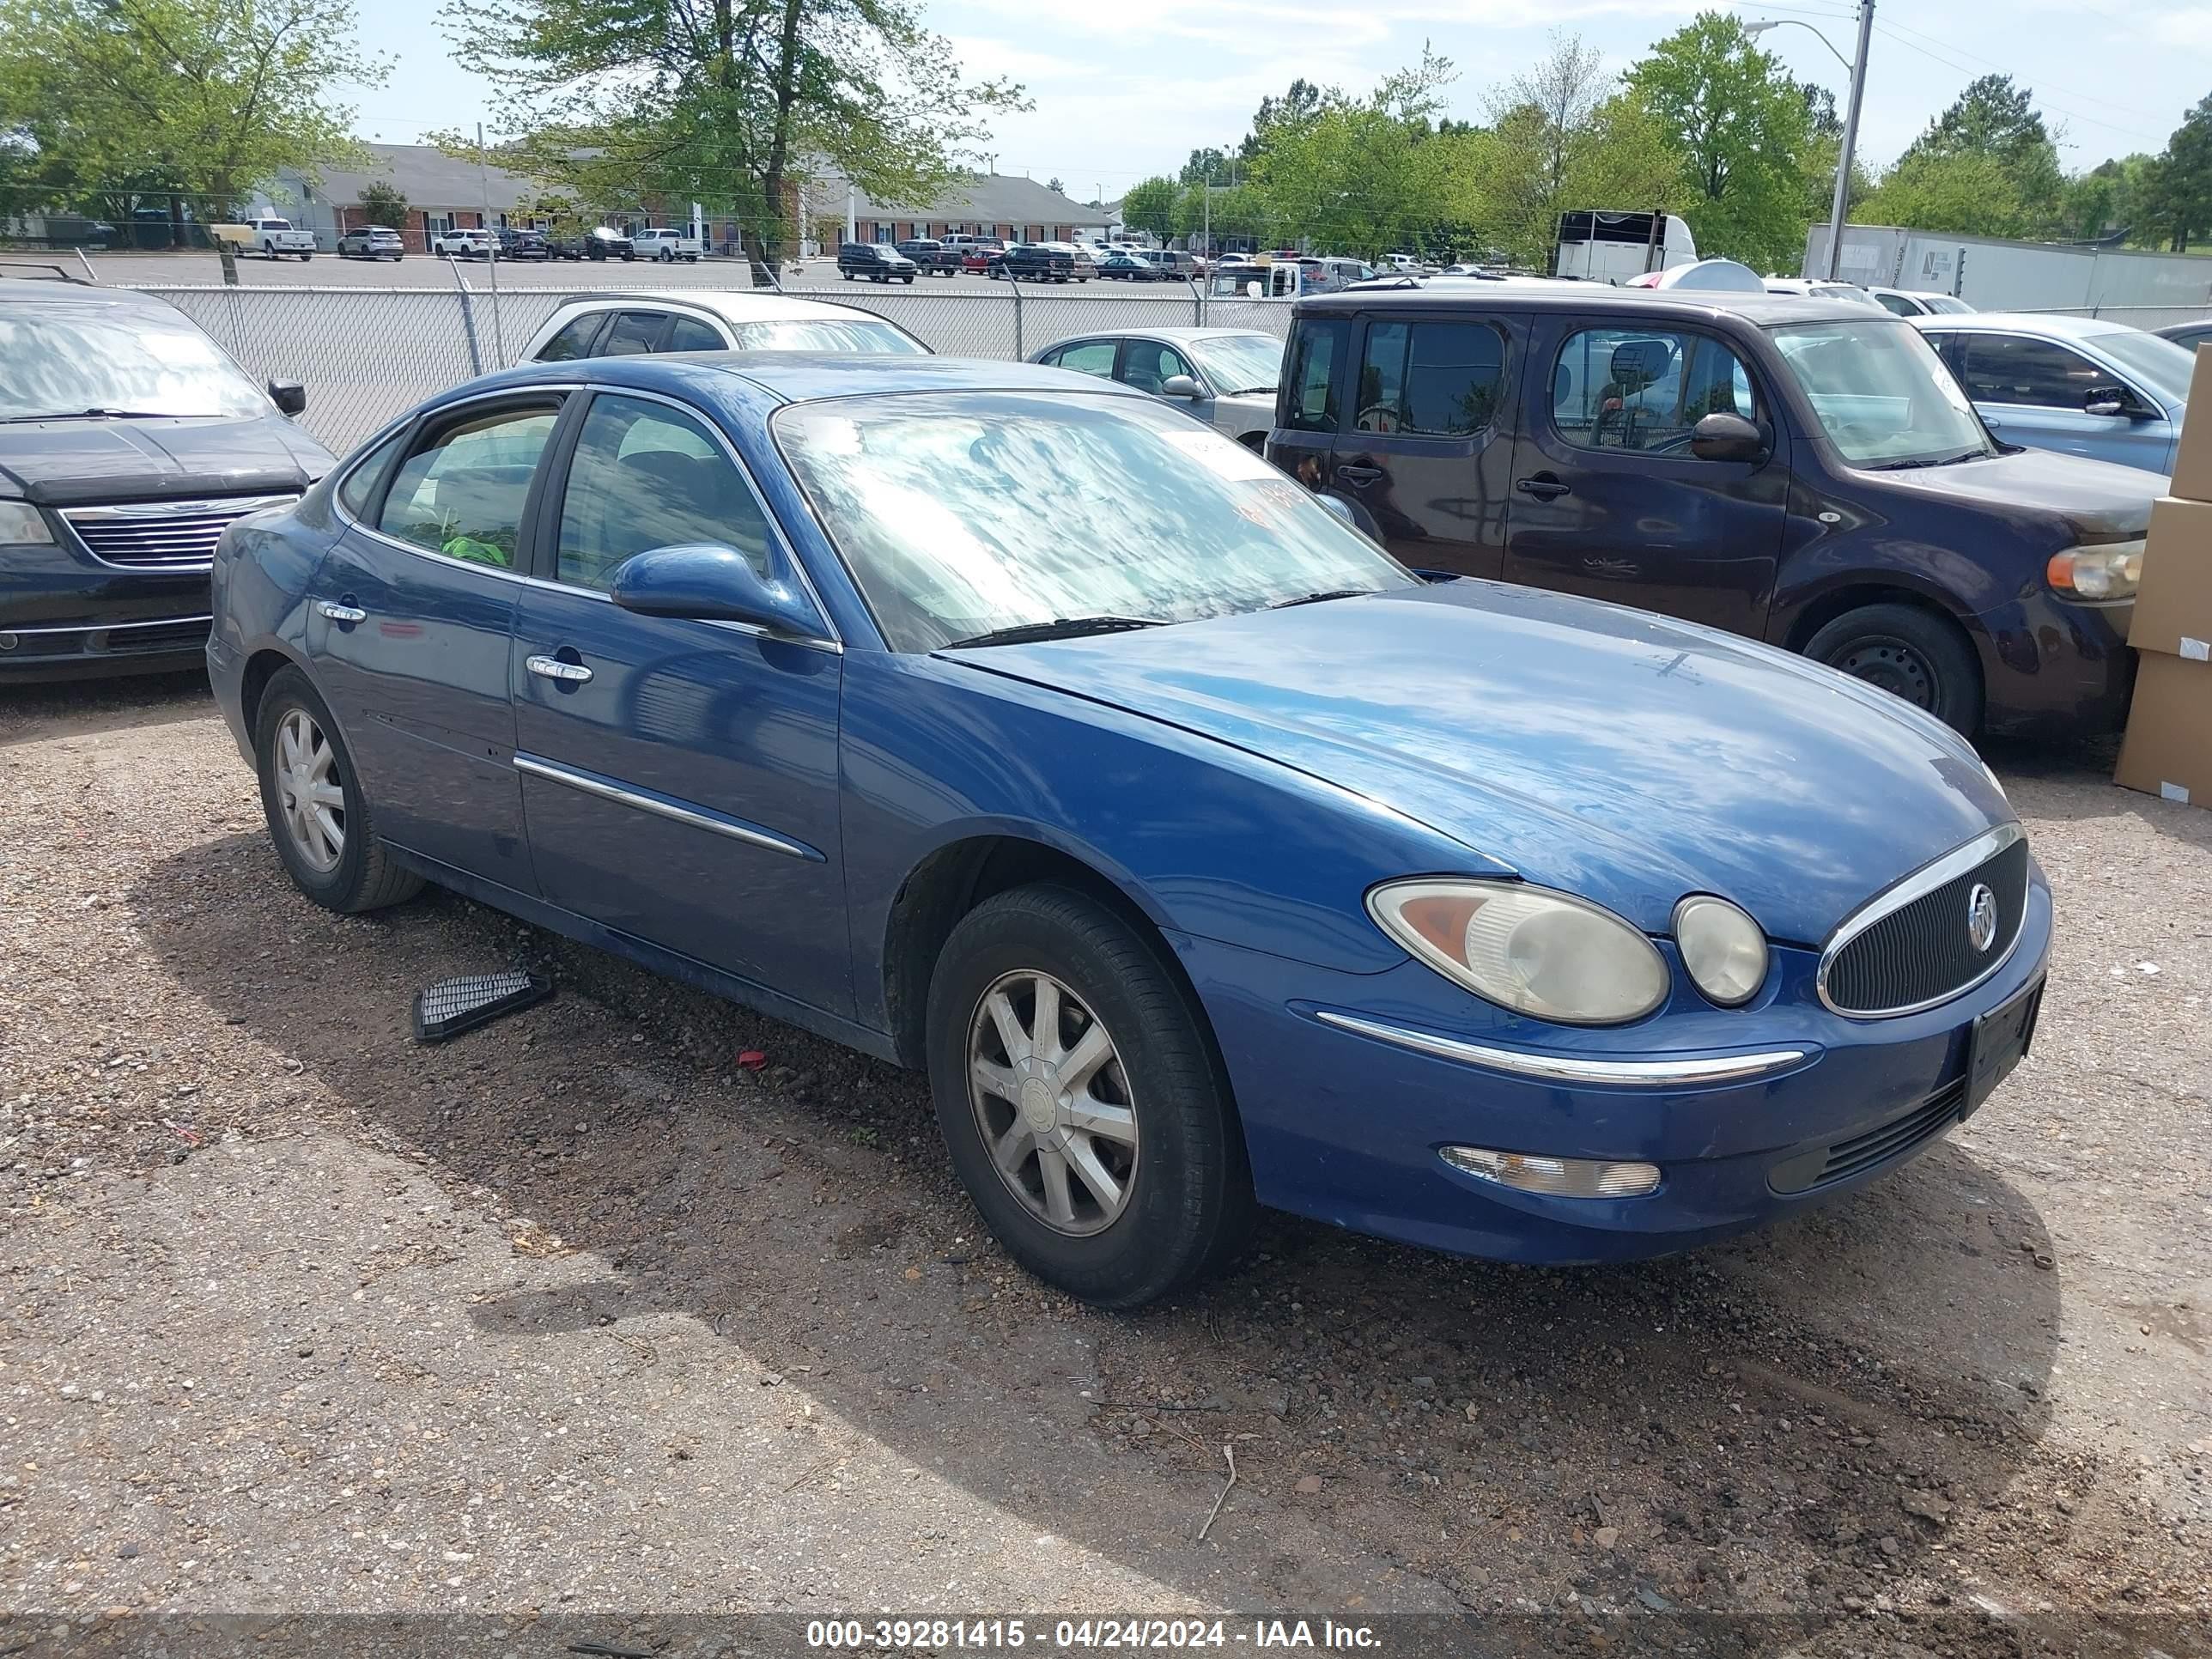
(1128, 268)
(128, 443)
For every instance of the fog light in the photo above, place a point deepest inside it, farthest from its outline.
(1555, 1177)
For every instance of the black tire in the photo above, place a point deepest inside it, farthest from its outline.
(365, 878)
(1189, 1208)
(909, 279)
(1908, 651)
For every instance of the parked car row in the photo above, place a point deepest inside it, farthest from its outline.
(1473, 916)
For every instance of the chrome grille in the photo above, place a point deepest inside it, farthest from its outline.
(162, 535)
(1910, 948)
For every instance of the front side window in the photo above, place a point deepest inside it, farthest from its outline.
(645, 475)
(631, 333)
(1881, 394)
(2015, 368)
(1898, 305)
(67, 361)
(1147, 365)
(461, 492)
(573, 340)
(1644, 389)
(690, 334)
(951, 509)
(1433, 379)
(1317, 355)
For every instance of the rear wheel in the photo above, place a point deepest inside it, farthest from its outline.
(1080, 1100)
(319, 814)
(1910, 653)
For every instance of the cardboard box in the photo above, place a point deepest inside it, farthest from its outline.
(2168, 749)
(2193, 457)
(2173, 603)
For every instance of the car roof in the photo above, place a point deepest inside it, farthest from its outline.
(1176, 334)
(766, 380)
(69, 292)
(1761, 310)
(2047, 324)
(731, 305)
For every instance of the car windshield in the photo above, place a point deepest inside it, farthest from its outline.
(1879, 392)
(131, 362)
(953, 511)
(2159, 363)
(1944, 302)
(826, 334)
(1241, 362)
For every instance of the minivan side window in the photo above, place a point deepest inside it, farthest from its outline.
(1643, 388)
(1316, 364)
(2013, 368)
(1438, 380)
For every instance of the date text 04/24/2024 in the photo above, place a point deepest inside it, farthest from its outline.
(1072, 1635)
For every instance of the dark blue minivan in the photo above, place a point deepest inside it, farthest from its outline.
(1799, 471)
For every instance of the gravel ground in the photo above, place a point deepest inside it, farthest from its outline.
(575, 1317)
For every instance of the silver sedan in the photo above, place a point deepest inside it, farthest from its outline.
(1226, 377)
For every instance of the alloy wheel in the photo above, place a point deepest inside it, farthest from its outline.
(1051, 1098)
(310, 791)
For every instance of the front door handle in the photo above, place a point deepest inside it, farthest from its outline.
(1357, 475)
(1544, 486)
(342, 610)
(552, 668)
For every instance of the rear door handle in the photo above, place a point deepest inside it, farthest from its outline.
(341, 611)
(1358, 475)
(1543, 487)
(552, 668)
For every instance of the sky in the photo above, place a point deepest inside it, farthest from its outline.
(1127, 88)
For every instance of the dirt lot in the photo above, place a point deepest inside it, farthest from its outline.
(575, 1316)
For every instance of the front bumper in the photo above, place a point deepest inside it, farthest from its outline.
(63, 617)
(2058, 666)
(1346, 1127)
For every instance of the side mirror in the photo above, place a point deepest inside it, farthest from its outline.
(1724, 437)
(1181, 386)
(289, 396)
(703, 583)
(1341, 508)
(2107, 400)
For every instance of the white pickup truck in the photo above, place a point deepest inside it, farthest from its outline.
(667, 245)
(278, 239)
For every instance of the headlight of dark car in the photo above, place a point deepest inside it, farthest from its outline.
(1545, 954)
(22, 525)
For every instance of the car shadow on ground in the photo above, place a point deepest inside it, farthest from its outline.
(1804, 1420)
(43, 710)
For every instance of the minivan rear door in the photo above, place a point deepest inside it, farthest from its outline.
(1607, 499)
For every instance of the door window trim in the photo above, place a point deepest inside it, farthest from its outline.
(1966, 336)
(542, 567)
(1121, 361)
(1569, 327)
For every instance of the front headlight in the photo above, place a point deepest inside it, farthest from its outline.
(2109, 570)
(1537, 953)
(22, 523)
(1722, 948)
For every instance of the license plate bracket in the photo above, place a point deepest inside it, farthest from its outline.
(1998, 1041)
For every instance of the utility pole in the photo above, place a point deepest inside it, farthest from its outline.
(491, 254)
(1842, 204)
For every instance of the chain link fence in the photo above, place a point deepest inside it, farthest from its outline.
(368, 355)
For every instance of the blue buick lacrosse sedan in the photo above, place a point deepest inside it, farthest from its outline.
(1011, 726)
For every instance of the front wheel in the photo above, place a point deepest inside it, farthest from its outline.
(1910, 653)
(317, 812)
(1080, 1100)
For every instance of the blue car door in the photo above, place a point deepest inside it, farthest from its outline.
(679, 778)
(410, 621)
(2039, 393)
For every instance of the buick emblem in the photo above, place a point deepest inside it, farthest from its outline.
(1981, 917)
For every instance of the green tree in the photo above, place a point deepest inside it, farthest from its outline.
(716, 102)
(1149, 205)
(1965, 194)
(1743, 129)
(117, 102)
(1056, 187)
(383, 204)
(1206, 166)
(1292, 111)
(1995, 122)
(2108, 200)
(2177, 187)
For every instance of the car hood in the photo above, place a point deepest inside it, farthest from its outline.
(1586, 747)
(2099, 499)
(61, 462)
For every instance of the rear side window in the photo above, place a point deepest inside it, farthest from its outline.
(690, 334)
(574, 339)
(1091, 357)
(1644, 389)
(2012, 369)
(634, 332)
(1317, 354)
(1435, 379)
(461, 492)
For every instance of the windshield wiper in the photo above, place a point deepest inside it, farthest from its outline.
(1060, 627)
(1316, 599)
(1249, 391)
(1948, 460)
(93, 414)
